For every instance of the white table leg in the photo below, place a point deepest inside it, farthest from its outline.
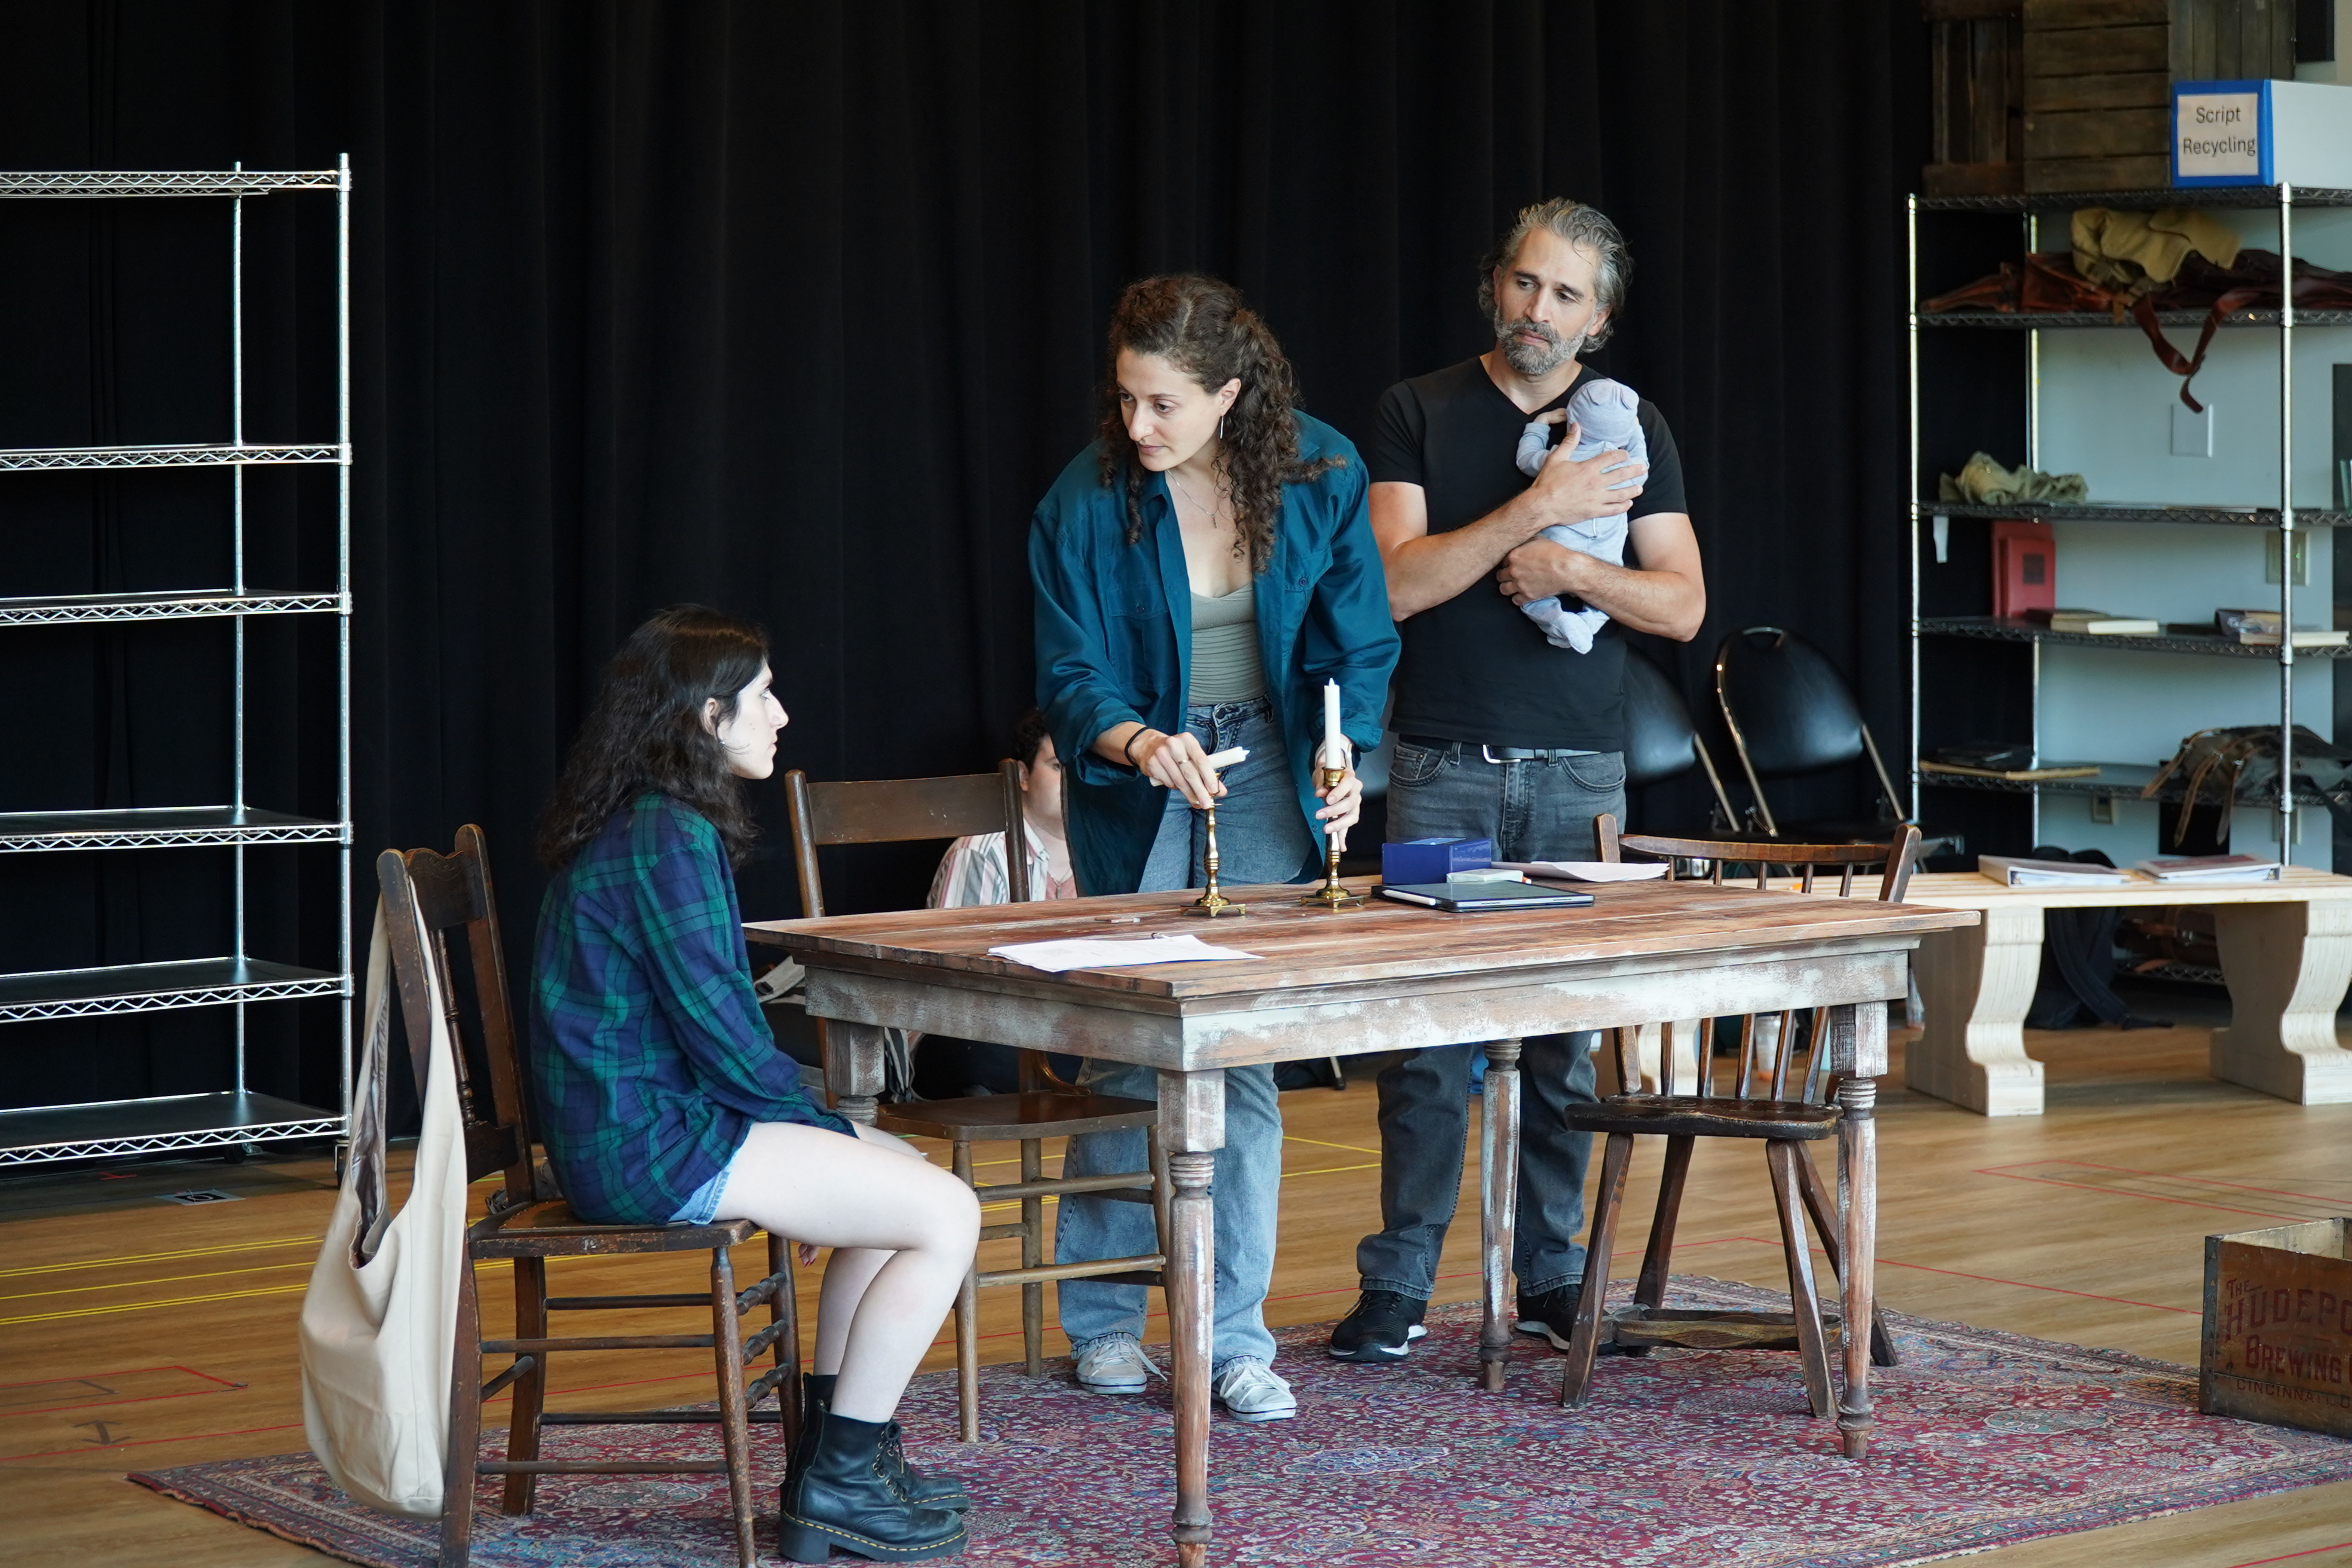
(1192, 1130)
(2288, 965)
(1498, 1204)
(1978, 983)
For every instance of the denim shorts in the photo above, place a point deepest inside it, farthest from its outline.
(701, 1205)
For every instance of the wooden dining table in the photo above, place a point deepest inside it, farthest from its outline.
(1373, 976)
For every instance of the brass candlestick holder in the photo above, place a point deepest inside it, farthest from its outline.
(1213, 902)
(1331, 895)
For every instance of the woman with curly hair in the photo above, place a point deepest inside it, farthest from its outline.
(1201, 571)
(663, 1097)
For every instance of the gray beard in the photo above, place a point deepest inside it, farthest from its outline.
(1534, 361)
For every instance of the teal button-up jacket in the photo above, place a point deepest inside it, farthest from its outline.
(1115, 638)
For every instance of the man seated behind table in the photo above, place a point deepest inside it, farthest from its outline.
(974, 872)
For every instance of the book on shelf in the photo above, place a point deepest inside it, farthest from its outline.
(2016, 871)
(2259, 628)
(2017, 775)
(2098, 623)
(2210, 870)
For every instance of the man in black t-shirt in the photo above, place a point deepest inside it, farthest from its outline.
(1500, 734)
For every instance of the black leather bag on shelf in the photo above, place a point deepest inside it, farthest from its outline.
(2217, 766)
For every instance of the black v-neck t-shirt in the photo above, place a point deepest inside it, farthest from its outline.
(1476, 667)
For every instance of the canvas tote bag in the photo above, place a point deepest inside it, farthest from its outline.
(380, 1321)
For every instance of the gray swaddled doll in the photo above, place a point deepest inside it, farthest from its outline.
(1606, 412)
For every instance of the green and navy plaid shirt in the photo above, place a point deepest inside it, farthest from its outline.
(651, 1056)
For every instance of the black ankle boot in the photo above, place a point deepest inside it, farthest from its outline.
(843, 1498)
(918, 1486)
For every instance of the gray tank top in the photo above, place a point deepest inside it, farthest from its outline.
(1225, 666)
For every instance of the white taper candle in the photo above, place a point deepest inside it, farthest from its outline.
(1335, 743)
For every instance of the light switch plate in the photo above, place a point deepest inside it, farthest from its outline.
(2192, 434)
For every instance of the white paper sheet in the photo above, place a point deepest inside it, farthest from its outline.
(1587, 871)
(1112, 953)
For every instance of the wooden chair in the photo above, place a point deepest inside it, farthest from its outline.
(898, 810)
(529, 1222)
(1761, 1106)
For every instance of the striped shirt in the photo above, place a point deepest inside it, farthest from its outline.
(974, 872)
(648, 1044)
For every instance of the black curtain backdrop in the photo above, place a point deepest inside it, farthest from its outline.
(795, 310)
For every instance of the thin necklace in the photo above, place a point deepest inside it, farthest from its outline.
(1189, 496)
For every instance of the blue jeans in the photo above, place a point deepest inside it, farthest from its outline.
(1261, 837)
(1533, 810)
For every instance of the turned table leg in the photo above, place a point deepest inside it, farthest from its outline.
(1976, 983)
(1499, 1194)
(1865, 1054)
(2288, 966)
(852, 1068)
(1191, 1130)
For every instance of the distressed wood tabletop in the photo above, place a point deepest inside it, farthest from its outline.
(1380, 940)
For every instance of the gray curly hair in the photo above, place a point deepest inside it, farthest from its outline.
(1578, 225)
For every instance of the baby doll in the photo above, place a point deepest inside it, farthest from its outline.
(1605, 412)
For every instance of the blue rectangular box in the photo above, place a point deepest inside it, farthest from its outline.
(1431, 859)
(2262, 133)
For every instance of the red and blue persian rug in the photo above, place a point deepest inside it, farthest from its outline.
(1683, 1458)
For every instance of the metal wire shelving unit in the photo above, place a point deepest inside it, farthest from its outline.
(237, 1116)
(2284, 516)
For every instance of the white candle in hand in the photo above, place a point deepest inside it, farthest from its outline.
(1335, 743)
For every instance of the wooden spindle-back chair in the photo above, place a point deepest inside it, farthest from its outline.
(1760, 1104)
(529, 1222)
(887, 811)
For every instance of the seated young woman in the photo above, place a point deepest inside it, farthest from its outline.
(663, 1097)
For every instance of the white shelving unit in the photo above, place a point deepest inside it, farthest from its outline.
(234, 1116)
(2096, 565)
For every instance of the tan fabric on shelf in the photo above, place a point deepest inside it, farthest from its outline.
(2133, 252)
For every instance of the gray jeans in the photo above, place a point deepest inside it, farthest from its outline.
(1533, 810)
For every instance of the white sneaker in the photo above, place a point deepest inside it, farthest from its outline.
(1249, 1391)
(1115, 1365)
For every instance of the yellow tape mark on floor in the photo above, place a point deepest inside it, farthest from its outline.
(143, 1306)
(1319, 1144)
(166, 1279)
(159, 1257)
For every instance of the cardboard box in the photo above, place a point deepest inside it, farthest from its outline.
(2278, 1326)
(1434, 859)
(2265, 132)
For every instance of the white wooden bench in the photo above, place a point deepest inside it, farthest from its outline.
(2286, 952)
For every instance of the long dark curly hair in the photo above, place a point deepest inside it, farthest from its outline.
(645, 732)
(1199, 325)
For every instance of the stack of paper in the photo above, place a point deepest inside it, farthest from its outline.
(2016, 872)
(1587, 870)
(2210, 870)
(1112, 953)
(2259, 628)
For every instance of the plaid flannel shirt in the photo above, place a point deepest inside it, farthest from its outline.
(648, 1044)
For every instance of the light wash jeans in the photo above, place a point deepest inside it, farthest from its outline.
(1261, 837)
(1533, 810)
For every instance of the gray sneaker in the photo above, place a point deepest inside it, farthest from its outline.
(1115, 1365)
(1249, 1391)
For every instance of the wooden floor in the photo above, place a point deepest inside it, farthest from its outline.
(137, 1334)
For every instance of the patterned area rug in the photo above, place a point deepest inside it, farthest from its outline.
(1684, 1458)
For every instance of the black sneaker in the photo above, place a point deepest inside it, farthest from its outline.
(1381, 1328)
(1553, 1314)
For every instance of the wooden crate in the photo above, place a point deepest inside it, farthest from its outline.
(2278, 1326)
(2099, 76)
(1976, 98)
